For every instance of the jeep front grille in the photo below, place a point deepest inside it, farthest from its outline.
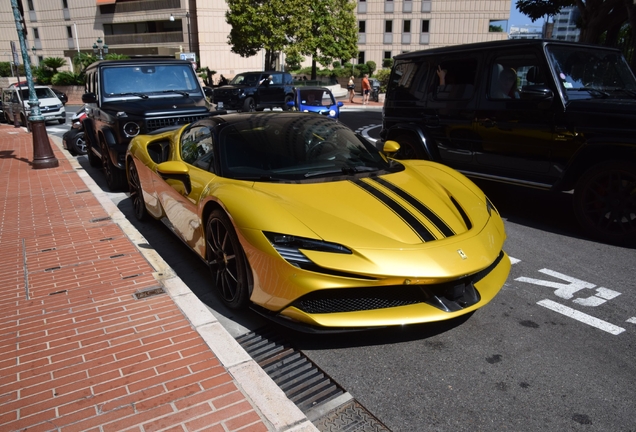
(154, 124)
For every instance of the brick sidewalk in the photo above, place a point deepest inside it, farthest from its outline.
(78, 350)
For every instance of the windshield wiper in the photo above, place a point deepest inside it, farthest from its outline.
(592, 91)
(181, 92)
(626, 91)
(344, 170)
(141, 95)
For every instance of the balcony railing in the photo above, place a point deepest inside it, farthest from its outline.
(143, 38)
(140, 6)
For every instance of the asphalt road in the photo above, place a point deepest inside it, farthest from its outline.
(554, 351)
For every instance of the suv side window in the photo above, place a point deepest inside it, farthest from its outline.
(408, 81)
(197, 147)
(458, 82)
(510, 73)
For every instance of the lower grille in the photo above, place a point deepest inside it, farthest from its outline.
(154, 124)
(450, 296)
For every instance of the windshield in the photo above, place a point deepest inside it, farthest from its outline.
(316, 97)
(295, 147)
(249, 79)
(144, 79)
(40, 93)
(586, 73)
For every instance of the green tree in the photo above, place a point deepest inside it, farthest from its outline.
(323, 29)
(495, 29)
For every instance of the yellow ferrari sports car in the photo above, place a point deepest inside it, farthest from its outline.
(307, 223)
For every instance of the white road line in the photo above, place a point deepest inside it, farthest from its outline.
(582, 317)
(632, 320)
(514, 260)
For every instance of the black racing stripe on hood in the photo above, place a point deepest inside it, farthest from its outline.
(420, 229)
(420, 206)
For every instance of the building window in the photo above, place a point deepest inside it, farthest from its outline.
(362, 25)
(426, 6)
(406, 28)
(388, 26)
(64, 4)
(387, 54)
(36, 33)
(361, 57)
(69, 32)
(388, 6)
(30, 5)
(425, 36)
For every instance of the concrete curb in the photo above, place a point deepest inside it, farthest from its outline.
(278, 412)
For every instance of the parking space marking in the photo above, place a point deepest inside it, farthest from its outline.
(564, 290)
(632, 320)
(582, 317)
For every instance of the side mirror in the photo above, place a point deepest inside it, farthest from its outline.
(390, 146)
(89, 98)
(175, 170)
(536, 92)
(340, 103)
(290, 103)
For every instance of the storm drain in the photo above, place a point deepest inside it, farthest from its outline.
(321, 399)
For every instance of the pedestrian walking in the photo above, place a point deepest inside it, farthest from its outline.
(351, 86)
(366, 89)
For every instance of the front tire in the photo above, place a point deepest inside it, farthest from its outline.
(136, 193)
(409, 148)
(115, 177)
(249, 105)
(288, 99)
(78, 144)
(226, 261)
(605, 201)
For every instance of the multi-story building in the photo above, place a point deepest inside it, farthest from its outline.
(527, 31)
(565, 24)
(61, 28)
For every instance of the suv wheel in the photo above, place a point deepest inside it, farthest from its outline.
(115, 178)
(605, 201)
(249, 105)
(409, 148)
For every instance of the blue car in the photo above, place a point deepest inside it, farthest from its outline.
(316, 99)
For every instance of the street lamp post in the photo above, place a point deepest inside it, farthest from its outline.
(187, 15)
(43, 156)
(100, 48)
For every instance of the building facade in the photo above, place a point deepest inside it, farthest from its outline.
(61, 28)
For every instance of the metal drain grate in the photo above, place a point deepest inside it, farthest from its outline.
(320, 398)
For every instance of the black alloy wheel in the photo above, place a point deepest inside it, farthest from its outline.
(409, 148)
(226, 261)
(605, 202)
(249, 105)
(136, 192)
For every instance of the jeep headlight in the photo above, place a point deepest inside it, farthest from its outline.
(131, 129)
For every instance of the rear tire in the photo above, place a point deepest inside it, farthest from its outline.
(226, 260)
(605, 202)
(136, 192)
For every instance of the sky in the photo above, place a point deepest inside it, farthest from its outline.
(518, 19)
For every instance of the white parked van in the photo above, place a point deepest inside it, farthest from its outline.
(15, 103)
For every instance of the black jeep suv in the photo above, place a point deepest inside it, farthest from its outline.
(255, 91)
(537, 113)
(125, 98)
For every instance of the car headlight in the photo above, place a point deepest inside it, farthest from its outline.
(289, 247)
(490, 207)
(131, 129)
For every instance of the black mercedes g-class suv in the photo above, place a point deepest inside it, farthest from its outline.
(537, 113)
(125, 98)
(255, 91)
